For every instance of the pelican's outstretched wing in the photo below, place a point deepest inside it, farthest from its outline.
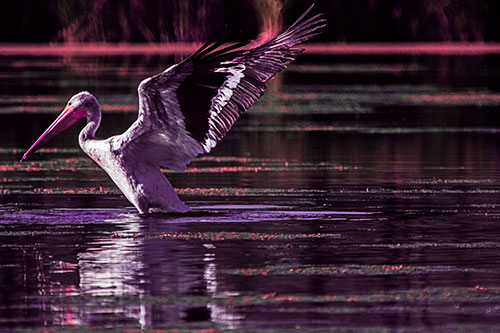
(185, 110)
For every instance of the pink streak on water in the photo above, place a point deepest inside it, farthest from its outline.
(442, 48)
(441, 98)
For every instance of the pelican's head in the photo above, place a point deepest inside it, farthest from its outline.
(79, 106)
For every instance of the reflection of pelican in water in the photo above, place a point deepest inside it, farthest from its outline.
(115, 267)
(124, 271)
(183, 112)
(135, 268)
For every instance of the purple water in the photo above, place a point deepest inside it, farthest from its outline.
(362, 193)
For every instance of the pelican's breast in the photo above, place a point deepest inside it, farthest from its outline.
(121, 170)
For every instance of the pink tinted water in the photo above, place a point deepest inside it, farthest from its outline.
(361, 193)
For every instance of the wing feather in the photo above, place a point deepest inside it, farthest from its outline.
(187, 109)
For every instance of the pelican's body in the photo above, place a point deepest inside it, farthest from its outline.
(143, 184)
(183, 112)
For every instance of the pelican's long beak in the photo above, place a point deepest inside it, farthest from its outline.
(68, 117)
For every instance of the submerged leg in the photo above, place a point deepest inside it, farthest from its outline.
(161, 195)
(170, 200)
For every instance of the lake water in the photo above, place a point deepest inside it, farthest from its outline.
(361, 193)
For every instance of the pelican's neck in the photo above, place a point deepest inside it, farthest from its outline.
(93, 122)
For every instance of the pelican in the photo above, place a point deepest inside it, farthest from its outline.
(183, 112)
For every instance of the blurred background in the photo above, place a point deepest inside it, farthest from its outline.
(178, 20)
(360, 192)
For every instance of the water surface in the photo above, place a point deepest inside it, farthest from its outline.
(361, 192)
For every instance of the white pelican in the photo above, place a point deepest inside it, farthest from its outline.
(183, 112)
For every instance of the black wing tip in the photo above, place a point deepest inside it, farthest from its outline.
(218, 46)
(304, 14)
(304, 21)
(301, 30)
(212, 49)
